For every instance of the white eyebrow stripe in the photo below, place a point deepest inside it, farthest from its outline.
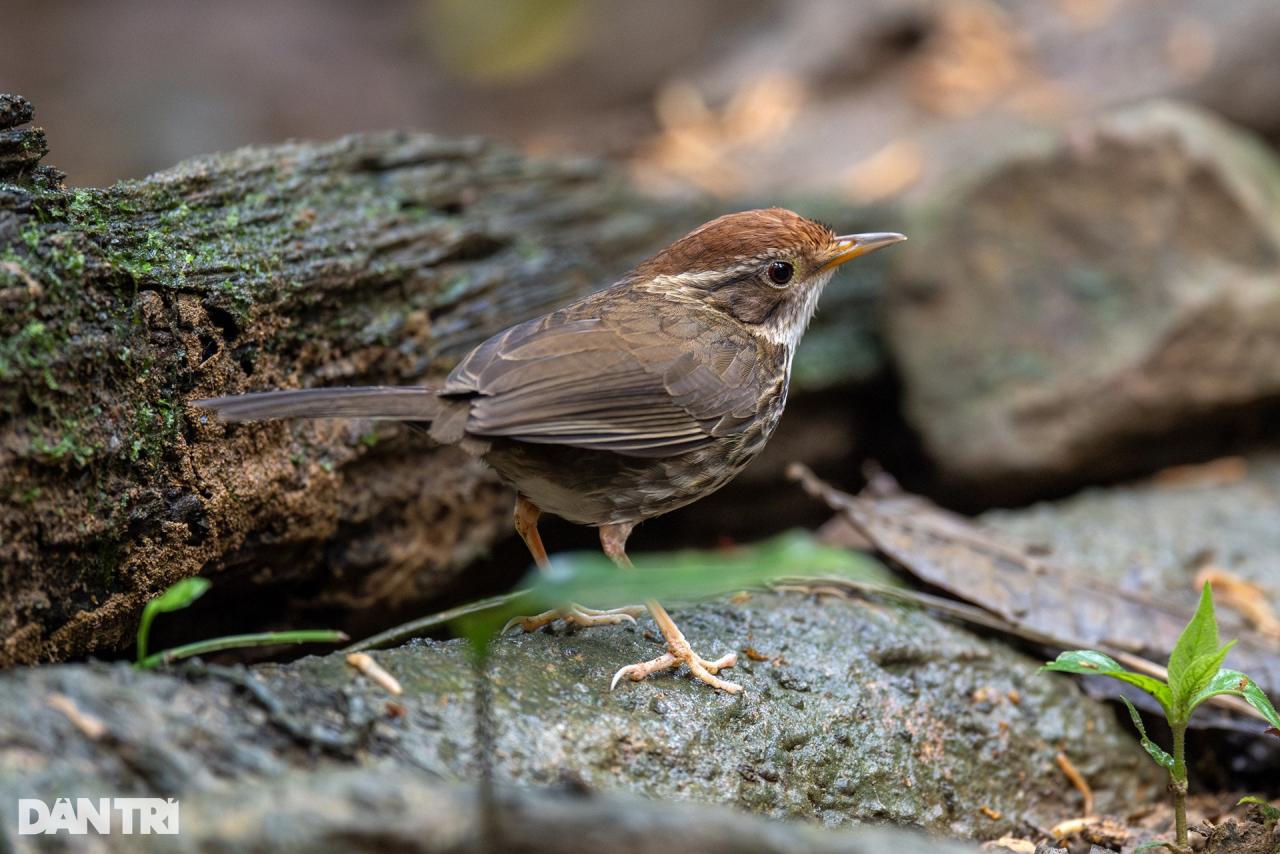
(690, 279)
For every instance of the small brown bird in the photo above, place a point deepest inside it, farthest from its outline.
(630, 402)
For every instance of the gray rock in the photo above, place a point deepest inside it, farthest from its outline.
(1154, 537)
(376, 808)
(1081, 310)
(859, 713)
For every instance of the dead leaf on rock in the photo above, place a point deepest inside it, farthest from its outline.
(1066, 607)
(973, 59)
(1248, 599)
(886, 173)
(1220, 472)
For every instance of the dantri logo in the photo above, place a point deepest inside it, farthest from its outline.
(103, 815)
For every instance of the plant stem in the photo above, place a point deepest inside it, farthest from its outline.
(233, 641)
(144, 632)
(1178, 778)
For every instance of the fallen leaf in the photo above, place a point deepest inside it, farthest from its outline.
(886, 173)
(1220, 472)
(1245, 597)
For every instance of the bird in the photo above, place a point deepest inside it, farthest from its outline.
(628, 403)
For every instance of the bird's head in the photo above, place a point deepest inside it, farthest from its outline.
(765, 268)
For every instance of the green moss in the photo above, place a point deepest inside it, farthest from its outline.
(71, 446)
(30, 350)
(154, 430)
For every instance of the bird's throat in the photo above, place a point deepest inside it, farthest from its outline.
(786, 326)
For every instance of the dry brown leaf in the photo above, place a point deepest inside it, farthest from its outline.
(695, 142)
(1220, 472)
(1065, 606)
(763, 110)
(1190, 47)
(1087, 14)
(1246, 598)
(973, 59)
(886, 173)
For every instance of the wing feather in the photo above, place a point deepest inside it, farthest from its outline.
(590, 382)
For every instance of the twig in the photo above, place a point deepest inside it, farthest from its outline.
(93, 729)
(1077, 779)
(364, 662)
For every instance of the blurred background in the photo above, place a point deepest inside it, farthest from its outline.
(869, 100)
(916, 115)
(877, 114)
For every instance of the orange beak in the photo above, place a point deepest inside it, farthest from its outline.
(850, 246)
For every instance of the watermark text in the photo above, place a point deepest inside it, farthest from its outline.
(99, 815)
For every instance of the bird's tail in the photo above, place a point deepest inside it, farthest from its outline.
(404, 403)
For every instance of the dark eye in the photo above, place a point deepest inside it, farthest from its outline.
(780, 272)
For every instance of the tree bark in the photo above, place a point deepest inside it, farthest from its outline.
(371, 259)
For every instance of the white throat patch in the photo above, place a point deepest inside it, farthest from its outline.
(788, 325)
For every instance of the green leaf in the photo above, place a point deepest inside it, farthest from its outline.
(1087, 662)
(1237, 684)
(1151, 845)
(240, 641)
(594, 580)
(176, 597)
(180, 594)
(1270, 814)
(1196, 677)
(1253, 696)
(1163, 759)
(1199, 638)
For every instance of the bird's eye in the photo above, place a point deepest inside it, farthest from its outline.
(780, 272)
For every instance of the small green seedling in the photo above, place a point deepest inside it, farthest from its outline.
(1270, 814)
(188, 590)
(1195, 674)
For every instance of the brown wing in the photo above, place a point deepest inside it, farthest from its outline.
(637, 387)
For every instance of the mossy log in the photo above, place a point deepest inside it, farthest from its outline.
(371, 259)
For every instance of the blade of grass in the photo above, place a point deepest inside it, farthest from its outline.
(421, 626)
(238, 641)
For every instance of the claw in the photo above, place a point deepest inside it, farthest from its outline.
(575, 615)
(699, 667)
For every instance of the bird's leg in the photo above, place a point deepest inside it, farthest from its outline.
(526, 523)
(613, 539)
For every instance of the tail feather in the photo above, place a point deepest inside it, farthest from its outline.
(403, 403)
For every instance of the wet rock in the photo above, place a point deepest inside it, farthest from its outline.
(372, 809)
(1088, 309)
(860, 713)
(1154, 537)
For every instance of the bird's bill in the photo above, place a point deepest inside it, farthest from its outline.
(850, 246)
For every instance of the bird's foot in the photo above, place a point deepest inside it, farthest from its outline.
(679, 652)
(576, 615)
